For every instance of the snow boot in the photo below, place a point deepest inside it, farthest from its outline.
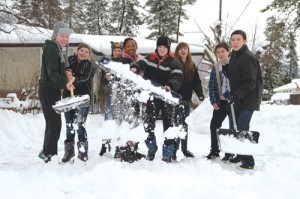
(69, 151)
(212, 155)
(186, 152)
(168, 150)
(152, 147)
(105, 146)
(227, 157)
(44, 157)
(83, 150)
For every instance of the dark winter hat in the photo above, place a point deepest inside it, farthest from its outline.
(60, 28)
(164, 41)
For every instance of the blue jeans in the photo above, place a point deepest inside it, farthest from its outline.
(108, 108)
(75, 121)
(182, 111)
(243, 118)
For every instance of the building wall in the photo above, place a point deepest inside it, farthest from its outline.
(20, 67)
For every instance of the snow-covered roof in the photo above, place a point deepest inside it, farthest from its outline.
(288, 87)
(101, 43)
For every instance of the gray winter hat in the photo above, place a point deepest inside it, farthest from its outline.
(60, 28)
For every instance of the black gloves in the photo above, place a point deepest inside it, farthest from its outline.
(225, 70)
(233, 99)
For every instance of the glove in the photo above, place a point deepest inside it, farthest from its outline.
(233, 99)
(225, 70)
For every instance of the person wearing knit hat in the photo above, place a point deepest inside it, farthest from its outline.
(116, 50)
(163, 41)
(60, 28)
(162, 68)
(53, 79)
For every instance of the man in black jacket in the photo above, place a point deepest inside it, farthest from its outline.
(246, 88)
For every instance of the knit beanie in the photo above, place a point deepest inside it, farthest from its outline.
(60, 28)
(163, 41)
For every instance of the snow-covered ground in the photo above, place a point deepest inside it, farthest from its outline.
(276, 175)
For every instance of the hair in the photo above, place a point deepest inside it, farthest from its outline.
(128, 39)
(83, 45)
(222, 45)
(188, 66)
(239, 32)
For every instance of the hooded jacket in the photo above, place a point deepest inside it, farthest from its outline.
(53, 69)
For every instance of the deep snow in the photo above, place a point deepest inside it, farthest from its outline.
(276, 175)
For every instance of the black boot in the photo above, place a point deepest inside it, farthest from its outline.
(212, 155)
(83, 150)
(188, 154)
(105, 146)
(69, 151)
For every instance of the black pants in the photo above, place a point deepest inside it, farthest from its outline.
(152, 110)
(48, 98)
(215, 123)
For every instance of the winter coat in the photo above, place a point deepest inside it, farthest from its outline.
(188, 85)
(83, 73)
(245, 79)
(166, 71)
(53, 69)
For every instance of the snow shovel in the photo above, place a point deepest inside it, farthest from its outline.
(237, 141)
(72, 102)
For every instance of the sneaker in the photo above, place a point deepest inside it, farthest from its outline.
(227, 157)
(236, 159)
(188, 154)
(44, 157)
(212, 155)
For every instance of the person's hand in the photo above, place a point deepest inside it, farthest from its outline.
(133, 70)
(216, 106)
(233, 99)
(107, 76)
(70, 86)
(167, 88)
(201, 98)
(68, 73)
(71, 79)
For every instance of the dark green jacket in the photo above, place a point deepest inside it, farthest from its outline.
(53, 73)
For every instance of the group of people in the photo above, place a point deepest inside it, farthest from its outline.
(176, 72)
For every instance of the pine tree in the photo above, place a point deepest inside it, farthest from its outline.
(24, 8)
(74, 15)
(97, 20)
(125, 17)
(272, 57)
(161, 18)
(287, 11)
(292, 56)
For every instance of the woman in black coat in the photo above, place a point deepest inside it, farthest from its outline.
(191, 82)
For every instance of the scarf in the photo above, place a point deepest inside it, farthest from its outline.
(160, 61)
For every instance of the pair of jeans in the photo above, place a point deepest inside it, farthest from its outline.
(182, 111)
(75, 122)
(243, 118)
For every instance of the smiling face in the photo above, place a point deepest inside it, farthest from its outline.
(117, 52)
(83, 54)
(237, 42)
(62, 40)
(130, 48)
